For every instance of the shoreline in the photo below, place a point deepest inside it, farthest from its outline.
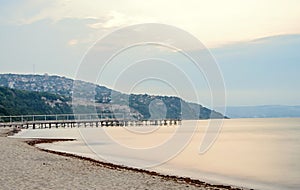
(178, 179)
(150, 179)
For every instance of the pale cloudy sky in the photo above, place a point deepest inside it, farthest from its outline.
(214, 22)
(255, 42)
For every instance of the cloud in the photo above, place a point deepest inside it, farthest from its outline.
(55, 10)
(27, 12)
(73, 42)
(115, 19)
(287, 38)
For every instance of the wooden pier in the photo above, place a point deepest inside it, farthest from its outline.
(84, 120)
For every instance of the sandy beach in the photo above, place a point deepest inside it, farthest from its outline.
(26, 167)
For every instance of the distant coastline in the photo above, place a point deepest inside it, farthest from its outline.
(264, 111)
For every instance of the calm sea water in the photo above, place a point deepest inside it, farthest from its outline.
(253, 153)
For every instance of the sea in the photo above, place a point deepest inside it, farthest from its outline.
(252, 153)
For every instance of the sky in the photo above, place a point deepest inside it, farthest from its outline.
(255, 43)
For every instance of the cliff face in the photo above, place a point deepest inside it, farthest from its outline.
(89, 96)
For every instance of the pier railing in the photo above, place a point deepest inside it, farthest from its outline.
(77, 120)
(60, 117)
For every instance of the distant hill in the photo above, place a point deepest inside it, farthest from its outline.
(266, 111)
(142, 106)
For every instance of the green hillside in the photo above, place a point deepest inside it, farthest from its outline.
(18, 102)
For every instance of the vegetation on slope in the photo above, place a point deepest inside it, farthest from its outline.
(18, 102)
